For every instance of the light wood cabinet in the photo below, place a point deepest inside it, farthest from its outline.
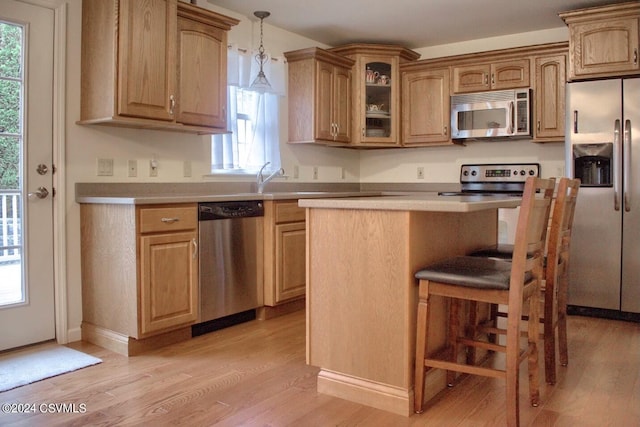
(319, 96)
(285, 240)
(139, 275)
(376, 92)
(202, 71)
(492, 76)
(549, 97)
(158, 64)
(604, 41)
(426, 111)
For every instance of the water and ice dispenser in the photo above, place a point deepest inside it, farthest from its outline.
(592, 163)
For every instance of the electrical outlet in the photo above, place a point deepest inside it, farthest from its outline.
(153, 167)
(343, 173)
(420, 172)
(315, 172)
(186, 168)
(132, 168)
(296, 172)
(105, 167)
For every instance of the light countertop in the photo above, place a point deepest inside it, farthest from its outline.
(415, 202)
(226, 197)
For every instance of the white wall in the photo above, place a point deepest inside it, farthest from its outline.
(84, 144)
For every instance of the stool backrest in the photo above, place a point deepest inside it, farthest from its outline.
(562, 222)
(530, 239)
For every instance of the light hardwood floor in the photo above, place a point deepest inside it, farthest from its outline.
(254, 374)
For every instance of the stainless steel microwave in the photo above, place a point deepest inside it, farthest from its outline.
(491, 114)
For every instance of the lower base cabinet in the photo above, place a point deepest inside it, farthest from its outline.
(284, 255)
(139, 275)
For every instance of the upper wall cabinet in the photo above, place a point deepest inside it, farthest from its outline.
(603, 41)
(498, 75)
(157, 64)
(319, 96)
(549, 94)
(376, 92)
(426, 111)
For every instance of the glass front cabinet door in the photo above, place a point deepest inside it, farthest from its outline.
(376, 92)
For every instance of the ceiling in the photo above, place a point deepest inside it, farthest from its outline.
(411, 23)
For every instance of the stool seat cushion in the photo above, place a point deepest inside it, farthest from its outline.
(471, 271)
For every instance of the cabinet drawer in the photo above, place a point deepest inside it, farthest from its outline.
(289, 212)
(168, 218)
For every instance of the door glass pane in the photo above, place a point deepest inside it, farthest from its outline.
(11, 87)
(378, 99)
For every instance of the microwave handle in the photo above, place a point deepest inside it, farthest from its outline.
(512, 119)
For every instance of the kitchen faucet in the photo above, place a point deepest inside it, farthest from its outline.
(261, 181)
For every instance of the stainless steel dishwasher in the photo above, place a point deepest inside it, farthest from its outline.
(230, 261)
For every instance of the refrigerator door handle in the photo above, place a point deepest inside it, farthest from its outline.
(617, 151)
(575, 121)
(626, 144)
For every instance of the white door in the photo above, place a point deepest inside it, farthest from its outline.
(26, 206)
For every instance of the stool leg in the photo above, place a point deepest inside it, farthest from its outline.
(454, 326)
(471, 331)
(562, 311)
(549, 331)
(533, 339)
(422, 332)
(511, 369)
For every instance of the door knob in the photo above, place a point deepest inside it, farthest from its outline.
(40, 193)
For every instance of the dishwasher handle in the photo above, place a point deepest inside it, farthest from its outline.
(230, 210)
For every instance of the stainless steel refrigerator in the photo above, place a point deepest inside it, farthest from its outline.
(603, 150)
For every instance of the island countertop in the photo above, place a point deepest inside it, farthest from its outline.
(430, 202)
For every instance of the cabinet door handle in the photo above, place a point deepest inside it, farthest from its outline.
(538, 125)
(169, 220)
(635, 56)
(446, 130)
(493, 79)
(172, 104)
(486, 79)
(195, 248)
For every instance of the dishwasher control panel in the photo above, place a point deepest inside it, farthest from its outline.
(229, 210)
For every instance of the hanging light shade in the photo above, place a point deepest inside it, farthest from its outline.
(261, 83)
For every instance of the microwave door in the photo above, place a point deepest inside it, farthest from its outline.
(481, 120)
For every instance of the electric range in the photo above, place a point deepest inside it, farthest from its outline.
(495, 179)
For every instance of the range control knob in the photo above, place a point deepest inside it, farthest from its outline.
(465, 173)
(522, 172)
(532, 172)
(474, 173)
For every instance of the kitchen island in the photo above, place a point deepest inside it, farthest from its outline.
(362, 254)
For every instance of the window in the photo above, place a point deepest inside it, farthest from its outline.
(253, 119)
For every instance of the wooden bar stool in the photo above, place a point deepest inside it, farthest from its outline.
(493, 281)
(556, 273)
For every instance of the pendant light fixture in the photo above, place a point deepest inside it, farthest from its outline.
(261, 83)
